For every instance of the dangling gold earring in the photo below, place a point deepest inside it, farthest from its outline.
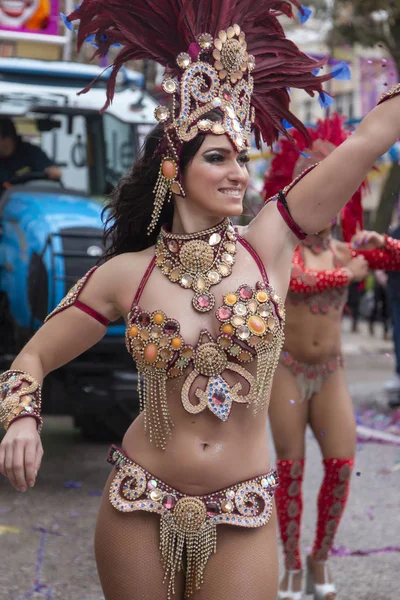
(167, 184)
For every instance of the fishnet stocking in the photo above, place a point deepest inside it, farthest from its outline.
(245, 565)
(128, 559)
(128, 556)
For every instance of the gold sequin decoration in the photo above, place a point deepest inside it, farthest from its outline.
(194, 261)
(187, 533)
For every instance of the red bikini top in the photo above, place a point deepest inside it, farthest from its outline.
(313, 281)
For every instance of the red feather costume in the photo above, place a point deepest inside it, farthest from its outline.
(288, 164)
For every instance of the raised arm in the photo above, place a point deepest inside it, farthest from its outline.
(319, 196)
(72, 330)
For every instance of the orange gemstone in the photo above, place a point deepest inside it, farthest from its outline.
(256, 325)
(169, 169)
(227, 329)
(262, 296)
(150, 353)
(133, 331)
(176, 343)
(158, 318)
(231, 299)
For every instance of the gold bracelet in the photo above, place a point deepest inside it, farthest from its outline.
(394, 91)
(15, 385)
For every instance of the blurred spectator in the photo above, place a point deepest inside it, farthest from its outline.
(356, 292)
(18, 157)
(393, 385)
(380, 306)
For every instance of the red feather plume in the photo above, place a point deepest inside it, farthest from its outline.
(289, 162)
(161, 29)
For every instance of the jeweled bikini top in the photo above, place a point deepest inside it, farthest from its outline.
(251, 328)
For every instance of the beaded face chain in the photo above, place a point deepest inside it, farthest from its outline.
(198, 261)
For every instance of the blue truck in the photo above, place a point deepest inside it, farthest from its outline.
(51, 232)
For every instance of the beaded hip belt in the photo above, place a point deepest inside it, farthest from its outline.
(188, 523)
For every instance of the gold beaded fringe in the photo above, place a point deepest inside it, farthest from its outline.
(199, 546)
(267, 361)
(162, 191)
(152, 390)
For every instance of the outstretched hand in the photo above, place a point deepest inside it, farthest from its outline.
(367, 240)
(21, 453)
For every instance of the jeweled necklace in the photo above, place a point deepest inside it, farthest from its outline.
(198, 260)
(318, 243)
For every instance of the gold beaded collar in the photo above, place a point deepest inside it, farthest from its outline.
(199, 260)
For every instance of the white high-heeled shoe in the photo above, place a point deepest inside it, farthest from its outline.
(321, 591)
(289, 594)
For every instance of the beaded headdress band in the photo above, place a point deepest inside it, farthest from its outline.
(231, 56)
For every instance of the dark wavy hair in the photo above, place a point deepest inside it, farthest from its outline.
(128, 211)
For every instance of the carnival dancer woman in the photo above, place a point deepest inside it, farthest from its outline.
(203, 302)
(309, 385)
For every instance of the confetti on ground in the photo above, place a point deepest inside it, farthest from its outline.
(343, 551)
(292, 401)
(74, 485)
(379, 427)
(358, 473)
(38, 587)
(5, 529)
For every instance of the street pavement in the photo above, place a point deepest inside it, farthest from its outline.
(46, 548)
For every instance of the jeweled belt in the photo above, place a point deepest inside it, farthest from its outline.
(189, 522)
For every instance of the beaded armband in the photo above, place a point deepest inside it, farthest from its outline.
(20, 396)
(394, 91)
(72, 299)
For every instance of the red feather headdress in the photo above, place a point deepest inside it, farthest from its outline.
(290, 161)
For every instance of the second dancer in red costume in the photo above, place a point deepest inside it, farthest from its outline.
(309, 385)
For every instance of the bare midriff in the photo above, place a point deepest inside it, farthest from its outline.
(312, 338)
(203, 454)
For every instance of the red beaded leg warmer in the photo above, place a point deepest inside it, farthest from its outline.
(289, 504)
(332, 499)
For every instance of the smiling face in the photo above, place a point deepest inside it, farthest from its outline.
(215, 181)
(15, 13)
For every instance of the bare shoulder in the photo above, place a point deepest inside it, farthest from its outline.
(114, 284)
(127, 267)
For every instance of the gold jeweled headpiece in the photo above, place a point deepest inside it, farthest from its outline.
(245, 71)
(216, 75)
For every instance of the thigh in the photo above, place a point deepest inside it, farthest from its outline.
(245, 565)
(332, 417)
(288, 415)
(128, 556)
